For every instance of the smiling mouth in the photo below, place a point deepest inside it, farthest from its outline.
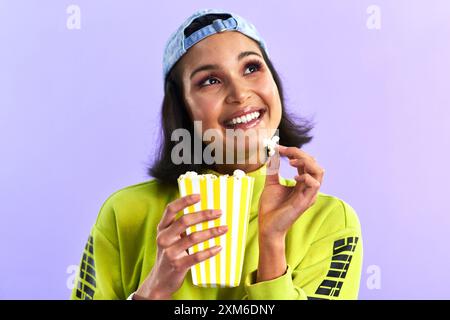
(246, 120)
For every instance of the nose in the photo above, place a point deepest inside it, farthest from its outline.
(238, 92)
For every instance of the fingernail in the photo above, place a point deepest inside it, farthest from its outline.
(217, 213)
(223, 229)
(217, 249)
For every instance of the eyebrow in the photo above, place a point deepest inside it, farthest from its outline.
(216, 66)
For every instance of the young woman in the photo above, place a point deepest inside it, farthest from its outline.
(301, 243)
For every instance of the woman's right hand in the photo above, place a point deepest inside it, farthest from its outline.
(173, 261)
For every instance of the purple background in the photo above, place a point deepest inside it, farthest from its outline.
(79, 116)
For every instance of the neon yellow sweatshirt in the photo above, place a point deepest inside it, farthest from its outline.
(324, 249)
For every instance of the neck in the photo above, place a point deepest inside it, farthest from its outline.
(229, 168)
(252, 161)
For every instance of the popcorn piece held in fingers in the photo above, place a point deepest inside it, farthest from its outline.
(270, 144)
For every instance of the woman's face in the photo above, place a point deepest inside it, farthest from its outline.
(227, 85)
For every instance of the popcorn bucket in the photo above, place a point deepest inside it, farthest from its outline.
(232, 195)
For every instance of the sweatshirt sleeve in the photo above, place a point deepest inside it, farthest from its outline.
(330, 269)
(99, 275)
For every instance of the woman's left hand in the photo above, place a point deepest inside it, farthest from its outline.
(280, 206)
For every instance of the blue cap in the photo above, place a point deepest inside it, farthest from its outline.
(178, 43)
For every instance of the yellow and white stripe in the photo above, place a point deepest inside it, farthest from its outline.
(233, 196)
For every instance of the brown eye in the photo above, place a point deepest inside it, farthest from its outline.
(204, 82)
(253, 67)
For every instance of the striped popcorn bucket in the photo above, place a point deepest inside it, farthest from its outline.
(233, 196)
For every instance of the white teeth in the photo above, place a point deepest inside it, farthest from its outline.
(245, 118)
